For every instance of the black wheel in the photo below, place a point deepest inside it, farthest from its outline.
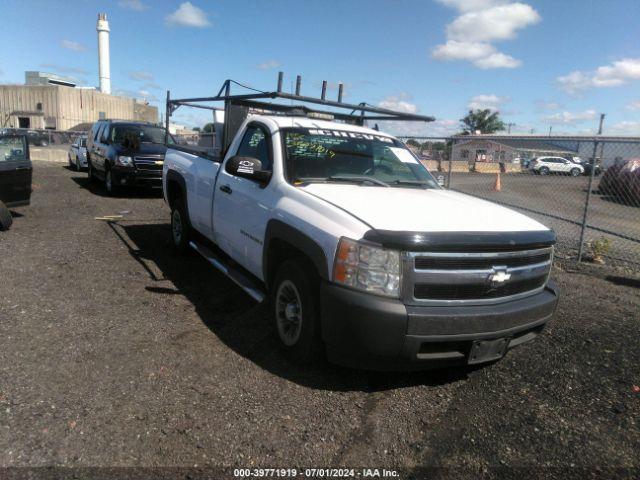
(5, 218)
(575, 172)
(180, 228)
(544, 171)
(70, 164)
(90, 174)
(109, 183)
(296, 312)
(78, 167)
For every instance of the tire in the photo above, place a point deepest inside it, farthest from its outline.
(296, 313)
(180, 227)
(544, 171)
(70, 163)
(78, 167)
(90, 175)
(109, 186)
(575, 172)
(5, 218)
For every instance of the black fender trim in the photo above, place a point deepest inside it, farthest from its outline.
(462, 241)
(173, 176)
(278, 230)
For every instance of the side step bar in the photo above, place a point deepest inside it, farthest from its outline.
(241, 279)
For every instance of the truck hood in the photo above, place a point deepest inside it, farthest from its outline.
(422, 210)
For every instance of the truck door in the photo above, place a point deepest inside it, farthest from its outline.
(15, 170)
(242, 207)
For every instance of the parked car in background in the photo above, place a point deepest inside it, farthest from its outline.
(78, 153)
(586, 164)
(122, 153)
(547, 165)
(15, 175)
(622, 180)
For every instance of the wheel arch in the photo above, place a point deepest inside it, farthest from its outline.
(175, 188)
(283, 242)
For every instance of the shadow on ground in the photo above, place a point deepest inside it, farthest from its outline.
(96, 187)
(243, 325)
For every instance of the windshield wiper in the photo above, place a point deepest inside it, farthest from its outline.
(344, 178)
(417, 183)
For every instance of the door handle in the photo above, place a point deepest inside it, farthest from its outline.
(226, 189)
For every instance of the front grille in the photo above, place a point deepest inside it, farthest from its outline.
(479, 277)
(149, 163)
(476, 291)
(471, 263)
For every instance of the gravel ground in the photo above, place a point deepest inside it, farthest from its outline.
(115, 352)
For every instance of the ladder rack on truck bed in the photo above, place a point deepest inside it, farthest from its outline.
(238, 106)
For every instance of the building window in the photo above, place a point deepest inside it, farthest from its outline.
(464, 153)
(39, 106)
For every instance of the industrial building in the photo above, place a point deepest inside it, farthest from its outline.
(49, 101)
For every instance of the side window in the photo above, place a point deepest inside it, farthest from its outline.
(96, 131)
(12, 149)
(104, 136)
(254, 144)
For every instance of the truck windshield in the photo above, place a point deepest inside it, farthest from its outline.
(313, 155)
(146, 134)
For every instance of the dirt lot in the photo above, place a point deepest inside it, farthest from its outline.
(114, 352)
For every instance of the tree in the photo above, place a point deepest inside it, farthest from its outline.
(484, 120)
(196, 129)
(413, 142)
(208, 128)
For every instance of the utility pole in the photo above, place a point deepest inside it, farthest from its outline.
(550, 129)
(509, 125)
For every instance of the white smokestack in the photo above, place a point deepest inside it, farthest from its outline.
(103, 53)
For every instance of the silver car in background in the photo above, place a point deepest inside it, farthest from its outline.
(78, 153)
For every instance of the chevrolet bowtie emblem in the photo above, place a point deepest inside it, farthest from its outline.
(500, 275)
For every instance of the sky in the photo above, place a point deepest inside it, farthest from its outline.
(541, 63)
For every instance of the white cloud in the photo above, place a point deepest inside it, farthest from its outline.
(470, 35)
(141, 76)
(618, 73)
(71, 45)
(454, 50)
(269, 64)
(491, 102)
(188, 15)
(136, 5)
(398, 103)
(496, 23)
(542, 105)
(569, 118)
(464, 6)
(635, 105)
(497, 60)
(628, 128)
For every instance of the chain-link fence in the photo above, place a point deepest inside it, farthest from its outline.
(593, 205)
(45, 138)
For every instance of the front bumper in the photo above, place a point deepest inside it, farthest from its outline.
(366, 331)
(136, 177)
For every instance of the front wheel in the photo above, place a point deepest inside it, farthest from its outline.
(90, 175)
(78, 167)
(180, 229)
(295, 307)
(575, 172)
(5, 218)
(544, 171)
(109, 183)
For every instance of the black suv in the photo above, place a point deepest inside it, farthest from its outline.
(122, 153)
(15, 175)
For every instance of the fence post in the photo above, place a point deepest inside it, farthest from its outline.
(449, 150)
(586, 203)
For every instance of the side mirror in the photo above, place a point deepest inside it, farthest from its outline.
(249, 168)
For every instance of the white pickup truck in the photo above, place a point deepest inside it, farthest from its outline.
(359, 251)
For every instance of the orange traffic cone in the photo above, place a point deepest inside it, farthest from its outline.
(497, 186)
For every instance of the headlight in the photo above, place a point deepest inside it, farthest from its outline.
(124, 161)
(367, 268)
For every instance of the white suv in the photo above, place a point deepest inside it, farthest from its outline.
(547, 165)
